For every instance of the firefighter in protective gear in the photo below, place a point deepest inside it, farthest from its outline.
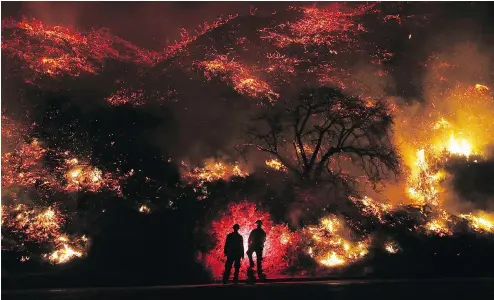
(257, 238)
(234, 252)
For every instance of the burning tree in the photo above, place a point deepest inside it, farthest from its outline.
(324, 132)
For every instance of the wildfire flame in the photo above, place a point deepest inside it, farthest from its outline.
(480, 221)
(318, 26)
(214, 170)
(144, 209)
(373, 207)
(44, 226)
(36, 225)
(242, 78)
(67, 249)
(276, 165)
(438, 226)
(330, 248)
(391, 247)
(23, 167)
(57, 50)
(82, 176)
(423, 184)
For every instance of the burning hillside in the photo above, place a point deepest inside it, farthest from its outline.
(58, 51)
(25, 168)
(305, 91)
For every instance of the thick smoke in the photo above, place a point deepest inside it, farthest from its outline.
(456, 100)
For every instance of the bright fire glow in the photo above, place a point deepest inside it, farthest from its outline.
(58, 50)
(44, 226)
(391, 247)
(277, 249)
(438, 226)
(82, 176)
(241, 77)
(144, 209)
(373, 207)
(328, 245)
(319, 26)
(459, 146)
(213, 170)
(67, 249)
(276, 165)
(481, 221)
(37, 225)
(423, 184)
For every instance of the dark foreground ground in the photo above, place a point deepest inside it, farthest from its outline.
(330, 289)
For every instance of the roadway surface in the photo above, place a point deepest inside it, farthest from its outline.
(437, 289)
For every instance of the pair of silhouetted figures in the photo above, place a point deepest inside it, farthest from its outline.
(234, 251)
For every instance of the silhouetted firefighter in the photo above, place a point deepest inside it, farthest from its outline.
(257, 238)
(234, 252)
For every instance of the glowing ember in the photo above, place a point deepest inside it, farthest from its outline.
(24, 166)
(144, 209)
(124, 96)
(372, 207)
(279, 240)
(276, 165)
(319, 26)
(57, 50)
(45, 225)
(329, 247)
(481, 221)
(332, 260)
(481, 87)
(36, 226)
(188, 38)
(242, 79)
(438, 226)
(391, 247)
(213, 170)
(67, 249)
(81, 176)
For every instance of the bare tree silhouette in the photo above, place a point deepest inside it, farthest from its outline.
(323, 135)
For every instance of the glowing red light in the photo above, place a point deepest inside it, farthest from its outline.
(276, 249)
